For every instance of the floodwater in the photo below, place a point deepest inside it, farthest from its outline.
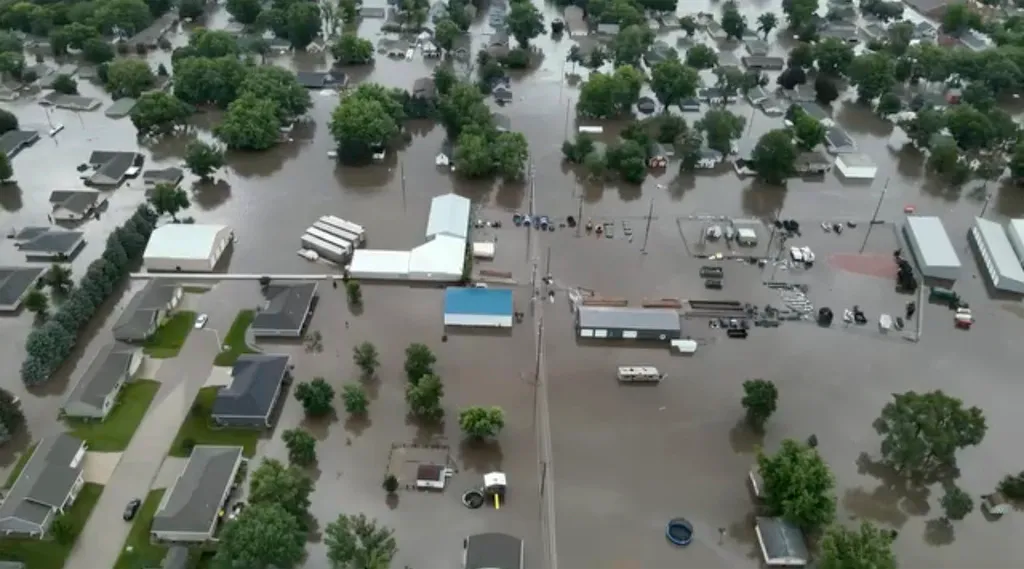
(625, 460)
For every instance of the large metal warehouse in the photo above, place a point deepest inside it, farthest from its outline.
(997, 256)
(480, 307)
(184, 247)
(439, 260)
(929, 242)
(379, 264)
(1015, 231)
(628, 323)
(449, 215)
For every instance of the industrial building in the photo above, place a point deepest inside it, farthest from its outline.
(997, 256)
(930, 244)
(478, 307)
(628, 323)
(184, 247)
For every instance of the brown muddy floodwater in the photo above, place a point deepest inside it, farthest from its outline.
(624, 460)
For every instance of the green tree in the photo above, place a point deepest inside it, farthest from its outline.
(6, 170)
(630, 45)
(445, 34)
(357, 542)
(970, 127)
(803, 55)
(922, 431)
(799, 13)
(63, 530)
(473, 153)
(510, 153)
(1017, 162)
(37, 303)
(867, 547)
(159, 113)
(251, 123)
(1012, 486)
(129, 77)
(481, 422)
(114, 252)
(419, 362)
(301, 447)
(205, 81)
(354, 292)
(424, 397)
(349, 10)
(798, 485)
(129, 16)
(721, 127)
(688, 149)
(274, 483)
(169, 199)
(701, 57)
(833, 56)
(97, 51)
(203, 159)
(524, 22)
(733, 23)
(629, 159)
(807, 130)
(688, 24)
(304, 23)
(355, 399)
(760, 399)
(65, 84)
(578, 150)
(959, 18)
(317, 397)
(366, 358)
(872, 74)
(956, 503)
(358, 124)
(672, 82)
(390, 484)
(889, 103)
(8, 121)
(825, 90)
(766, 23)
(350, 49)
(279, 86)
(11, 416)
(58, 278)
(774, 157)
(263, 535)
(923, 127)
(245, 12)
(191, 9)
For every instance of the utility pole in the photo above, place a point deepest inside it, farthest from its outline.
(401, 166)
(547, 273)
(984, 207)
(647, 232)
(565, 130)
(579, 216)
(874, 217)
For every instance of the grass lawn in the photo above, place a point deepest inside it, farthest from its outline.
(48, 554)
(170, 337)
(138, 551)
(113, 433)
(20, 465)
(234, 342)
(198, 428)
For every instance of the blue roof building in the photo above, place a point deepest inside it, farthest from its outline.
(483, 307)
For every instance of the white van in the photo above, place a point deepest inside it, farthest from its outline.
(642, 374)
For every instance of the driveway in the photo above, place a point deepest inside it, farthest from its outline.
(100, 466)
(181, 378)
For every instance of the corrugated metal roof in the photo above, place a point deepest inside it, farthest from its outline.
(999, 259)
(605, 317)
(1015, 229)
(449, 215)
(934, 248)
(497, 302)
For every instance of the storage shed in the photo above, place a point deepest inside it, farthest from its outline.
(483, 250)
(181, 247)
(997, 256)
(929, 242)
(479, 307)
(628, 323)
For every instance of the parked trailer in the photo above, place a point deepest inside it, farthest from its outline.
(332, 239)
(346, 225)
(325, 249)
(639, 374)
(684, 346)
(348, 236)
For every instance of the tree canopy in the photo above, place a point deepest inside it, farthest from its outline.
(251, 123)
(263, 535)
(672, 82)
(721, 127)
(159, 113)
(798, 485)
(760, 398)
(866, 547)
(129, 77)
(481, 422)
(358, 542)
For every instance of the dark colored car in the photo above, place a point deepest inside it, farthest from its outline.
(131, 509)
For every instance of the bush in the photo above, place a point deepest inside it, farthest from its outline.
(355, 399)
(317, 397)
(481, 422)
(390, 484)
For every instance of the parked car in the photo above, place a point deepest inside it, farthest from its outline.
(201, 321)
(131, 509)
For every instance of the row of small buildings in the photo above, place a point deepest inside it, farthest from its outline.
(1000, 249)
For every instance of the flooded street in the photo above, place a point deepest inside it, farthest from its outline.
(625, 460)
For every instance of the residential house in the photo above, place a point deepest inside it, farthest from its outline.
(658, 52)
(286, 310)
(575, 22)
(13, 141)
(715, 31)
(782, 544)
(46, 487)
(756, 96)
(502, 94)
(757, 47)
(709, 159)
(153, 178)
(844, 32)
(375, 12)
(191, 510)
(317, 46)
(925, 30)
(109, 169)
(76, 103)
(312, 79)
(120, 108)
(610, 30)
(151, 36)
(147, 310)
(837, 141)
(96, 392)
(15, 283)
(763, 62)
(875, 31)
(715, 96)
(501, 122)
(690, 105)
(257, 381)
(658, 155)
(497, 44)
(75, 205)
(812, 163)
(930, 8)
(817, 112)
(48, 244)
(975, 41)
(429, 49)
(278, 46)
(424, 88)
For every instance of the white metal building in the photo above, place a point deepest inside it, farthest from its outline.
(1015, 231)
(449, 215)
(378, 264)
(856, 167)
(182, 247)
(997, 256)
(441, 259)
(928, 240)
(483, 250)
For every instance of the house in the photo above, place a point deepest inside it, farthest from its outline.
(279, 46)
(186, 247)
(925, 30)
(120, 108)
(817, 112)
(875, 31)
(756, 95)
(715, 96)
(47, 244)
(930, 8)
(715, 30)
(75, 205)
(782, 544)
(837, 141)
(757, 47)
(502, 94)
(46, 487)
(709, 159)
(376, 12)
(763, 62)
(424, 88)
(286, 310)
(15, 282)
(256, 384)
(501, 122)
(497, 44)
(312, 79)
(337, 78)
(812, 163)
(492, 551)
(658, 155)
(13, 141)
(975, 41)
(190, 511)
(147, 310)
(318, 45)
(151, 36)
(153, 178)
(689, 105)
(109, 169)
(95, 394)
(429, 49)
(69, 102)
(611, 30)
(575, 22)
(658, 52)
(843, 32)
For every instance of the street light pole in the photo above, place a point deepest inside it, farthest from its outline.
(874, 217)
(647, 232)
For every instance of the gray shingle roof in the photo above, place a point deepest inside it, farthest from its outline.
(286, 308)
(43, 485)
(78, 201)
(255, 381)
(15, 282)
(136, 322)
(110, 365)
(192, 504)
(781, 540)
(164, 175)
(12, 141)
(47, 240)
(628, 318)
(494, 551)
(110, 166)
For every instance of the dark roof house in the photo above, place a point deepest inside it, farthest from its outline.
(190, 510)
(424, 88)
(111, 168)
(286, 311)
(812, 163)
(502, 122)
(142, 315)
(837, 141)
(763, 62)
(75, 205)
(94, 395)
(493, 551)
(47, 485)
(13, 141)
(155, 177)
(256, 384)
(46, 244)
(15, 282)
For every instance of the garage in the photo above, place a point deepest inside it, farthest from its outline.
(478, 307)
(936, 257)
(997, 256)
(188, 248)
(604, 322)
